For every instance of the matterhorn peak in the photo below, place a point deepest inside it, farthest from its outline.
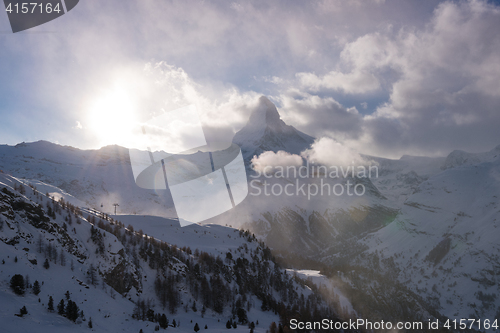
(265, 114)
(265, 131)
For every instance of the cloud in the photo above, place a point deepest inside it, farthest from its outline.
(358, 71)
(357, 82)
(430, 70)
(268, 161)
(223, 108)
(273, 79)
(439, 79)
(327, 151)
(320, 116)
(444, 97)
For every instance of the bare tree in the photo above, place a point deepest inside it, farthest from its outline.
(62, 258)
(92, 275)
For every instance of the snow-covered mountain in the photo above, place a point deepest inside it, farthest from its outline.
(265, 131)
(398, 179)
(444, 241)
(426, 226)
(303, 223)
(99, 178)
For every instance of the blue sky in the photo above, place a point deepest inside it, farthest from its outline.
(383, 77)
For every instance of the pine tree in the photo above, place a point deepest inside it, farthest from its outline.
(196, 327)
(46, 264)
(264, 305)
(36, 287)
(194, 307)
(242, 316)
(71, 311)
(17, 284)
(51, 304)
(90, 322)
(23, 311)
(60, 307)
(150, 315)
(163, 321)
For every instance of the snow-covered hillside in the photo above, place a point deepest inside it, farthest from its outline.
(398, 179)
(122, 279)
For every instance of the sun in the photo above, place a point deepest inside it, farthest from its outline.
(112, 117)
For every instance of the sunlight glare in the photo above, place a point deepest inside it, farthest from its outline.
(112, 118)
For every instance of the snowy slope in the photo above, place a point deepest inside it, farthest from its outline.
(398, 179)
(458, 158)
(211, 238)
(29, 234)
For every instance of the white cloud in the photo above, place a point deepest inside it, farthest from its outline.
(356, 82)
(268, 161)
(327, 151)
(273, 79)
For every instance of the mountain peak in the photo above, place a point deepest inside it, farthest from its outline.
(266, 114)
(265, 131)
